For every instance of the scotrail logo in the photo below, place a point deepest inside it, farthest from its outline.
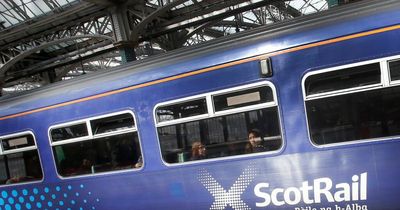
(231, 197)
(314, 192)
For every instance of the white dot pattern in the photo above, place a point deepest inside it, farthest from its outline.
(231, 197)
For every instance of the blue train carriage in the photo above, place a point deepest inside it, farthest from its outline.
(302, 115)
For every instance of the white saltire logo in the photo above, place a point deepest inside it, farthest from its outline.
(231, 197)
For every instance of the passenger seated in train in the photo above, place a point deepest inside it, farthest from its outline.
(255, 143)
(199, 151)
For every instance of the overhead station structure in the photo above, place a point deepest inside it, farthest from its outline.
(46, 41)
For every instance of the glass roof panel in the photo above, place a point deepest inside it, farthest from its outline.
(14, 12)
(43, 6)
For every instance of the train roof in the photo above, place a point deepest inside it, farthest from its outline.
(337, 22)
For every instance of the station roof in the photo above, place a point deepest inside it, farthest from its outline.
(16, 12)
(68, 38)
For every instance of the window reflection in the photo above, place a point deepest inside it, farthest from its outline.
(356, 116)
(102, 155)
(225, 135)
(343, 79)
(181, 110)
(21, 163)
(117, 148)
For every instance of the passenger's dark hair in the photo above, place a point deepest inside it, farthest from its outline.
(255, 132)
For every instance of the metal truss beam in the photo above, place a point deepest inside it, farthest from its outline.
(88, 25)
(137, 31)
(40, 46)
(168, 24)
(95, 27)
(62, 60)
(175, 25)
(50, 23)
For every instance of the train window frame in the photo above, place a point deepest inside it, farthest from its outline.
(212, 114)
(340, 91)
(19, 150)
(392, 81)
(112, 132)
(184, 119)
(94, 137)
(246, 108)
(72, 140)
(386, 82)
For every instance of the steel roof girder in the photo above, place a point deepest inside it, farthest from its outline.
(216, 7)
(38, 26)
(50, 63)
(17, 9)
(168, 28)
(139, 29)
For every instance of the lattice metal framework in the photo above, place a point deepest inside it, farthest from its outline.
(13, 12)
(42, 41)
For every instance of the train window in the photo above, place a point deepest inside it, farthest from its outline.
(225, 134)
(353, 77)
(181, 110)
(18, 142)
(243, 98)
(394, 67)
(19, 159)
(113, 123)
(358, 115)
(69, 132)
(110, 151)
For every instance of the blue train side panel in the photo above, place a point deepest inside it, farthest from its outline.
(299, 176)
